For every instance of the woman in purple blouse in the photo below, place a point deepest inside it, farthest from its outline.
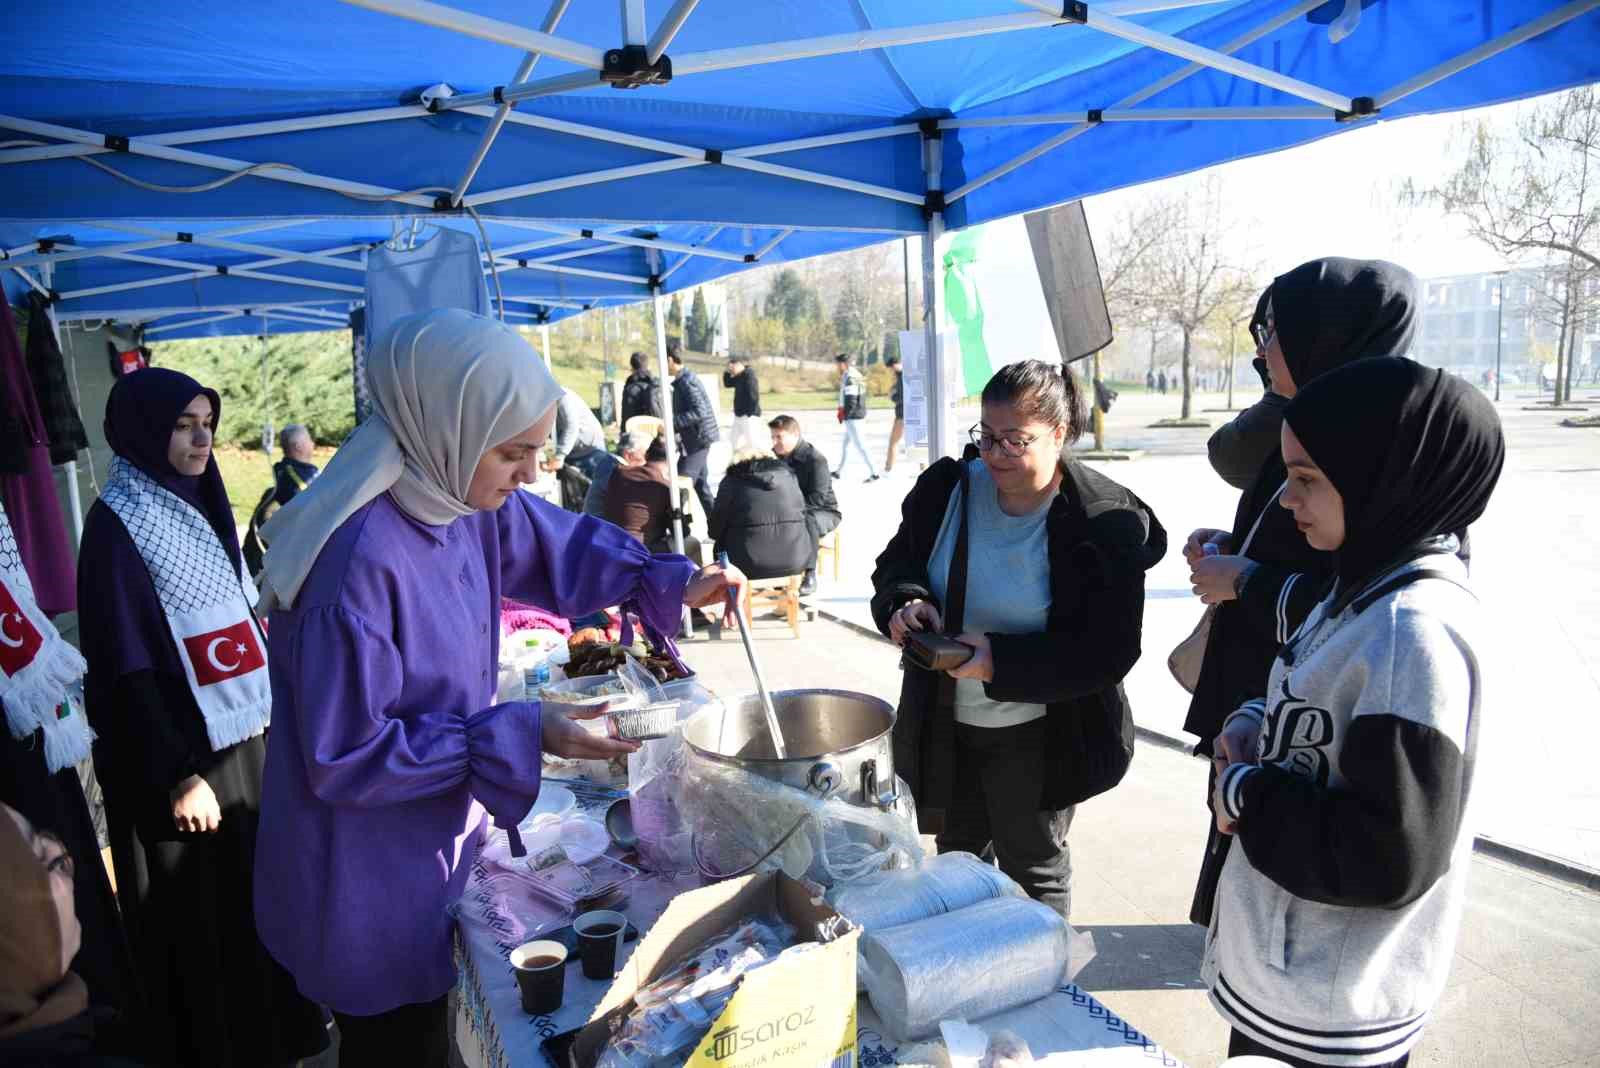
(384, 578)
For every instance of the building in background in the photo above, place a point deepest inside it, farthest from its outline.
(1460, 314)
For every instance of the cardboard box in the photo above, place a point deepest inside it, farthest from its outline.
(799, 1013)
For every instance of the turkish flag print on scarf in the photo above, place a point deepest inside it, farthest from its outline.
(19, 639)
(224, 654)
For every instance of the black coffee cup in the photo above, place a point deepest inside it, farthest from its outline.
(541, 970)
(600, 936)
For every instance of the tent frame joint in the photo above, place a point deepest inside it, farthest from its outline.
(931, 131)
(654, 282)
(1361, 107)
(750, 257)
(933, 203)
(222, 269)
(629, 67)
(713, 155)
(1075, 12)
(116, 142)
(185, 237)
(1095, 116)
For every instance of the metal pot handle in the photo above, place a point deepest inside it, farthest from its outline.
(885, 800)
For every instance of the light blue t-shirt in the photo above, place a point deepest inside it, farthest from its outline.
(1008, 585)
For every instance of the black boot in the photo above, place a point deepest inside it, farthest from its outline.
(808, 582)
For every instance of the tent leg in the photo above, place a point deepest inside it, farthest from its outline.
(658, 305)
(69, 470)
(932, 306)
(544, 341)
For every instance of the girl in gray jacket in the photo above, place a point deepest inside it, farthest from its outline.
(1336, 920)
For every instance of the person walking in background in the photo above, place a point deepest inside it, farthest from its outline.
(1036, 562)
(695, 422)
(1150, 381)
(641, 393)
(1161, 382)
(760, 517)
(897, 393)
(748, 433)
(810, 469)
(179, 692)
(1349, 787)
(852, 410)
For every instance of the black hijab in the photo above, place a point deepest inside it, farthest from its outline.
(1332, 311)
(1414, 452)
(140, 413)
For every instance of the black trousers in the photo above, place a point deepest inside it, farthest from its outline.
(1240, 1044)
(996, 806)
(412, 1035)
(693, 465)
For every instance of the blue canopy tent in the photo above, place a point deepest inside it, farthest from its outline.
(194, 165)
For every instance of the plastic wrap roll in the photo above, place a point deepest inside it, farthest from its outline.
(943, 884)
(968, 964)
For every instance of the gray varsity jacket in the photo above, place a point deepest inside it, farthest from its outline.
(1336, 922)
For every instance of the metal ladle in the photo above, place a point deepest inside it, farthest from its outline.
(755, 668)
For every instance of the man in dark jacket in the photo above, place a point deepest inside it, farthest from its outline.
(641, 393)
(1239, 448)
(695, 422)
(292, 473)
(760, 518)
(747, 430)
(810, 469)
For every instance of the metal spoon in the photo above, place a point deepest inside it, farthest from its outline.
(761, 686)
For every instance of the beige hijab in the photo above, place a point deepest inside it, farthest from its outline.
(36, 990)
(447, 386)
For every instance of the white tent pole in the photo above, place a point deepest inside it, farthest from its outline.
(515, 192)
(932, 307)
(208, 270)
(233, 272)
(222, 133)
(633, 29)
(774, 243)
(168, 328)
(208, 241)
(1146, 115)
(824, 141)
(658, 302)
(241, 271)
(1267, 28)
(760, 166)
(524, 71)
(670, 25)
(131, 246)
(28, 278)
(506, 33)
(581, 272)
(150, 315)
(670, 271)
(1177, 46)
(1121, 7)
(1549, 21)
(577, 233)
(544, 343)
(142, 147)
(516, 94)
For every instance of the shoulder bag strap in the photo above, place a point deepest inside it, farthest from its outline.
(1272, 502)
(955, 592)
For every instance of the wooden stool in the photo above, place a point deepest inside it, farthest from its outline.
(828, 545)
(780, 593)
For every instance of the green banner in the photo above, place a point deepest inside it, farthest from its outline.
(964, 306)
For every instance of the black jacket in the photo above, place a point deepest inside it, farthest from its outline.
(1239, 448)
(760, 519)
(1102, 540)
(290, 477)
(811, 470)
(746, 392)
(692, 415)
(641, 395)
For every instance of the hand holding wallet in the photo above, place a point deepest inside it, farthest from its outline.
(936, 652)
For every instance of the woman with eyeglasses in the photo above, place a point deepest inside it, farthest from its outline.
(1318, 317)
(1035, 564)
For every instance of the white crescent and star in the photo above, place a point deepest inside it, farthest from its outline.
(216, 662)
(6, 639)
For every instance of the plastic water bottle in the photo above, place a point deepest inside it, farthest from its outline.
(535, 677)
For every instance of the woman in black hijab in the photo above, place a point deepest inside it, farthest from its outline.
(175, 690)
(1337, 911)
(1319, 316)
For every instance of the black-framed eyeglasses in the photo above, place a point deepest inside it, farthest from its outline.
(1263, 332)
(1010, 444)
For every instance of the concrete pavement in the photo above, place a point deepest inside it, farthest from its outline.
(1526, 965)
(1534, 568)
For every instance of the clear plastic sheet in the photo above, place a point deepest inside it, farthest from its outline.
(741, 821)
(672, 1013)
(968, 964)
(664, 837)
(944, 883)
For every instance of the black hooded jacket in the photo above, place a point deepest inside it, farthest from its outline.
(641, 395)
(759, 519)
(1102, 539)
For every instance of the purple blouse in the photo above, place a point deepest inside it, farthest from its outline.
(384, 743)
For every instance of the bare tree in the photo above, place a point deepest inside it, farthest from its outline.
(1534, 192)
(1196, 271)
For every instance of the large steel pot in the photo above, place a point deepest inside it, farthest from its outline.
(838, 742)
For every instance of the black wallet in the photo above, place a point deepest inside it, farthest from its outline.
(935, 652)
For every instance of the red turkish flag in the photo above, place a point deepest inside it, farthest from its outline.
(224, 654)
(19, 639)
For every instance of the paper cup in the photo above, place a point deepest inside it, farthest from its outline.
(600, 935)
(541, 973)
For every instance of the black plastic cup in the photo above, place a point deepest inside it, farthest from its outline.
(541, 970)
(600, 935)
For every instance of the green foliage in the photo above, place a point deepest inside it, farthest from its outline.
(308, 380)
(675, 314)
(698, 330)
(791, 300)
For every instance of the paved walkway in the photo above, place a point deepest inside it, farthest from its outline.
(1527, 962)
(1534, 567)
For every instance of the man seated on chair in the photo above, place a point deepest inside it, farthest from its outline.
(811, 471)
(759, 519)
(638, 498)
(633, 447)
